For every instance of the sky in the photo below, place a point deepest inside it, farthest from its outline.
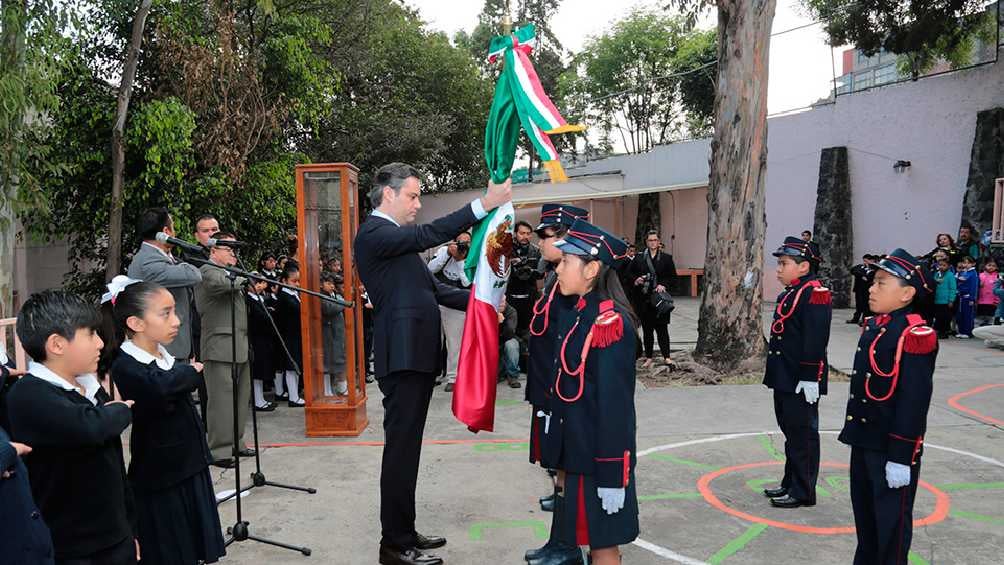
(801, 66)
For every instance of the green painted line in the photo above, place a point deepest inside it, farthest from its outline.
(680, 461)
(504, 447)
(768, 445)
(477, 530)
(916, 559)
(839, 484)
(507, 402)
(670, 496)
(735, 545)
(971, 486)
(975, 516)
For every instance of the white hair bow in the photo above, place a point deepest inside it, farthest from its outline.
(118, 284)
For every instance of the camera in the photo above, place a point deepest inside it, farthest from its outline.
(522, 263)
(463, 247)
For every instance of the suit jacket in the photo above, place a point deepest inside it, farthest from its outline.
(261, 338)
(890, 414)
(149, 264)
(213, 298)
(799, 335)
(168, 443)
(407, 331)
(24, 537)
(287, 317)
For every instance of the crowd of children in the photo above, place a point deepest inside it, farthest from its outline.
(968, 286)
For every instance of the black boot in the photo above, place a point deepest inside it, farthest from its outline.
(547, 503)
(555, 551)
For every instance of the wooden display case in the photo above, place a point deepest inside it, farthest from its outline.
(327, 217)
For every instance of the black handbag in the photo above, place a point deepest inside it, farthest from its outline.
(662, 304)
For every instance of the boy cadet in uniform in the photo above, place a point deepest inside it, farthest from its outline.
(797, 368)
(890, 394)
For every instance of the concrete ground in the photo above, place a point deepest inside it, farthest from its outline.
(704, 453)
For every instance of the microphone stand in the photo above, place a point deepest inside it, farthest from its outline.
(240, 530)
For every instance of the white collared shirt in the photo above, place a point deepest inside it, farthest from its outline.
(255, 296)
(159, 250)
(89, 381)
(165, 361)
(292, 293)
(476, 206)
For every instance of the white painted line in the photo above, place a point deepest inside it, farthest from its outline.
(663, 552)
(674, 556)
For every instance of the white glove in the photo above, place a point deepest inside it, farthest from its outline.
(810, 389)
(897, 474)
(613, 499)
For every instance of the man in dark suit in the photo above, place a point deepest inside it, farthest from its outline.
(408, 338)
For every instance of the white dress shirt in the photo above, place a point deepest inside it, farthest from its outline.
(165, 361)
(88, 381)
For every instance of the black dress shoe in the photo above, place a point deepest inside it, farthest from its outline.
(425, 543)
(227, 463)
(247, 452)
(411, 556)
(299, 404)
(547, 503)
(788, 502)
(556, 554)
(269, 407)
(775, 492)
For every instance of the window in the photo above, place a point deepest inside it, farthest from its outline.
(886, 74)
(864, 79)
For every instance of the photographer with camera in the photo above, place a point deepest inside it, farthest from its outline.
(448, 267)
(654, 271)
(522, 290)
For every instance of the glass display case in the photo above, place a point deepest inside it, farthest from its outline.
(334, 362)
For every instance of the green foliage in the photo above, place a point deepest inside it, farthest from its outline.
(630, 80)
(923, 31)
(228, 98)
(160, 133)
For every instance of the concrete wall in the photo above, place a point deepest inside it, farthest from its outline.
(930, 122)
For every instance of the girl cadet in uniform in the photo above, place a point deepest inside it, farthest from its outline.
(176, 518)
(595, 386)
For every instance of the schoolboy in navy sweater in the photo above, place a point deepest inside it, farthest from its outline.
(75, 468)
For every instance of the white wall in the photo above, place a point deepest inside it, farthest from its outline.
(930, 123)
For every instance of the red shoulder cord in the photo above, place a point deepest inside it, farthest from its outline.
(545, 310)
(778, 326)
(580, 372)
(894, 373)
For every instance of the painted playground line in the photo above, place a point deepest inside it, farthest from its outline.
(759, 524)
(956, 402)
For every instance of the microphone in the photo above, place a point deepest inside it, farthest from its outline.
(213, 242)
(193, 247)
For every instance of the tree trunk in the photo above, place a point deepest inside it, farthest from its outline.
(113, 264)
(12, 53)
(730, 327)
(649, 217)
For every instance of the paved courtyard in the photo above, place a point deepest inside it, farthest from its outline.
(704, 454)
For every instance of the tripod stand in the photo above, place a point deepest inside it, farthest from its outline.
(258, 478)
(240, 530)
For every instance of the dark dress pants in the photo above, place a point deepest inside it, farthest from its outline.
(883, 517)
(122, 553)
(651, 325)
(406, 404)
(799, 421)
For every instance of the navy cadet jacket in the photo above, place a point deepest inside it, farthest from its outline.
(407, 332)
(888, 403)
(541, 366)
(168, 442)
(24, 537)
(597, 414)
(799, 335)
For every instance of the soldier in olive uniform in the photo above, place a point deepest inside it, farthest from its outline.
(891, 387)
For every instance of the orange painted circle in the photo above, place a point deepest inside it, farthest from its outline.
(942, 502)
(954, 403)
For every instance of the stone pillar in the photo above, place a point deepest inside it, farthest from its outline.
(986, 164)
(832, 227)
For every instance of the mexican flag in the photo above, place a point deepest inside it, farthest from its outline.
(519, 104)
(474, 391)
